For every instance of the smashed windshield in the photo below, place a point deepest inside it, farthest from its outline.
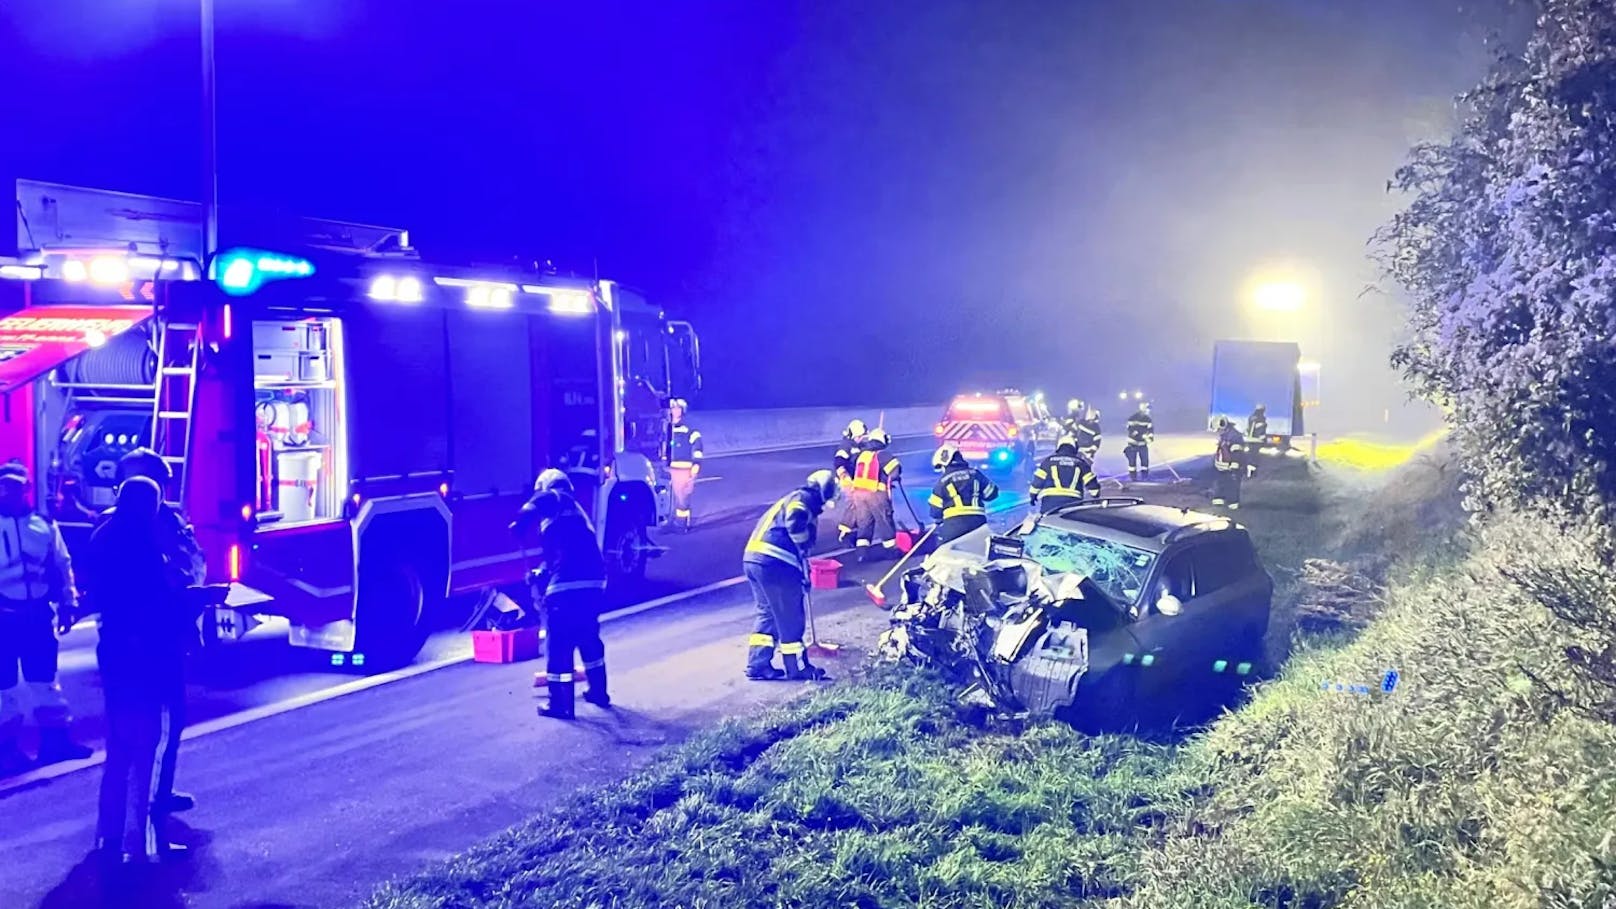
(1118, 570)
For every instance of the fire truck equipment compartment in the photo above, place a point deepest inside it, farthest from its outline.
(299, 473)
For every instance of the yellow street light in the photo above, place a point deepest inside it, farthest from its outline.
(1279, 296)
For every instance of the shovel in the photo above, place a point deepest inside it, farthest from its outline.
(874, 590)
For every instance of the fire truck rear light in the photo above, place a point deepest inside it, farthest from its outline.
(73, 270)
(409, 290)
(109, 270)
(384, 287)
(228, 326)
(235, 561)
(246, 512)
(571, 302)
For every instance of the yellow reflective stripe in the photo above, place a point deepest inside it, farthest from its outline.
(954, 494)
(892, 466)
(760, 640)
(1041, 474)
(796, 505)
(935, 500)
(772, 551)
(1057, 492)
(960, 510)
(868, 485)
(792, 649)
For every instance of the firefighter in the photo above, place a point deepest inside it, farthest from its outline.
(185, 559)
(776, 567)
(1141, 433)
(1063, 478)
(1088, 435)
(870, 514)
(1075, 410)
(846, 457)
(37, 600)
(959, 500)
(1256, 435)
(571, 584)
(684, 463)
(1230, 465)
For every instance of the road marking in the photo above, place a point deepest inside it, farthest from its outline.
(708, 479)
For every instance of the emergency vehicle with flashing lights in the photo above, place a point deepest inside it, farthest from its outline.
(1000, 430)
(351, 427)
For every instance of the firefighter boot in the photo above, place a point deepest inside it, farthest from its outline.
(798, 669)
(55, 746)
(174, 803)
(1133, 474)
(560, 703)
(596, 692)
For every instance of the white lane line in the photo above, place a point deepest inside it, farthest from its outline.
(708, 479)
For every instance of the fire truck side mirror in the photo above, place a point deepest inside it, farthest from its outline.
(684, 360)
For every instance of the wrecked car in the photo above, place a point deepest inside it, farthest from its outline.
(1087, 611)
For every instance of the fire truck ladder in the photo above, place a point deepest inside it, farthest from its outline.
(179, 346)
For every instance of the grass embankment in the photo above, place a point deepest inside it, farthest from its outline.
(1474, 784)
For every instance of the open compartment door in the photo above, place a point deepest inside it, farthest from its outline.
(38, 339)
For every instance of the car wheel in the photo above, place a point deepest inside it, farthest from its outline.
(627, 550)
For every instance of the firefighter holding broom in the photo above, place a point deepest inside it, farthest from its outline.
(870, 513)
(776, 566)
(572, 587)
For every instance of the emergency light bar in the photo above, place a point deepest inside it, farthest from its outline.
(244, 271)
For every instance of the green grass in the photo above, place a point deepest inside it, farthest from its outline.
(1478, 782)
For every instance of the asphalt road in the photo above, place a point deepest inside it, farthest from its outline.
(316, 785)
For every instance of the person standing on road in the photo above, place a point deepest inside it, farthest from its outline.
(1075, 411)
(776, 566)
(684, 463)
(572, 586)
(959, 501)
(1141, 433)
(1088, 435)
(185, 559)
(37, 600)
(846, 457)
(1256, 435)
(145, 630)
(1063, 478)
(871, 516)
(1230, 465)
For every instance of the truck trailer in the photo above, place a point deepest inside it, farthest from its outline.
(351, 425)
(1248, 373)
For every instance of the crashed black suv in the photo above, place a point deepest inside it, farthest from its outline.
(1089, 612)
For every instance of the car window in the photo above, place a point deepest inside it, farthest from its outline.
(1119, 571)
(1177, 578)
(1219, 563)
(976, 409)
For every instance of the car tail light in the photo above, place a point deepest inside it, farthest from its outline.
(235, 561)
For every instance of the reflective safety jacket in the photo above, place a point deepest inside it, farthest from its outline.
(1231, 450)
(1088, 435)
(846, 456)
(962, 492)
(1257, 425)
(684, 451)
(1141, 428)
(572, 557)
(34, 565)
(1063, 478)
(874, 470)
(787, 531)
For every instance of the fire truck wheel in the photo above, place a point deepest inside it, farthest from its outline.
(392, 615)
(627, 549)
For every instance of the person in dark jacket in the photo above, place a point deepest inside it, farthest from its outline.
(685, 451)
(776, 566)
(1063, 478)
(1088, 435)
(572, 586)
(145, 630)
(1141, 433)
(959, 500)
(846, 457)
(1229, 463)
(185, 556)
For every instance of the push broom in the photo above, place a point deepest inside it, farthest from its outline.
(874, 590)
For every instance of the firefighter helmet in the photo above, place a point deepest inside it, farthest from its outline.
(552, 480)
(878, 438)
(944, 457)
(824, 482)
(1075, 407)
(679, 404)
(1066, 445)
(856, 429)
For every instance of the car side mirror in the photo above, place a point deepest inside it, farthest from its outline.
(1167, 604)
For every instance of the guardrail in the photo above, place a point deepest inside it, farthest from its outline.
(731, 432)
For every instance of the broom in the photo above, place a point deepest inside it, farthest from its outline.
(815, 645)
(874, 590)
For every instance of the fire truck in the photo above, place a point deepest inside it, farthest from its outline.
(351, 425)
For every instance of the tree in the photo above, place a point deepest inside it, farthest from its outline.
(1507, 251)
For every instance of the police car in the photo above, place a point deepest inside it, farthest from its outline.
(1000, 429)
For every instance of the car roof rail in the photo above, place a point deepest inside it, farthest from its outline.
(1199, 526)
(1102, 502)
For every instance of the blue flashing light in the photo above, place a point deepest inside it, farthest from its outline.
(1002, 455)
(244, 271)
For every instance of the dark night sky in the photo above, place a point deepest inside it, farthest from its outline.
(856, 202)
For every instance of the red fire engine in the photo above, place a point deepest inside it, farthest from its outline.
(351, 426)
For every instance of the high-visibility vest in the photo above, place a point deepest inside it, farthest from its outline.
(868, 473)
